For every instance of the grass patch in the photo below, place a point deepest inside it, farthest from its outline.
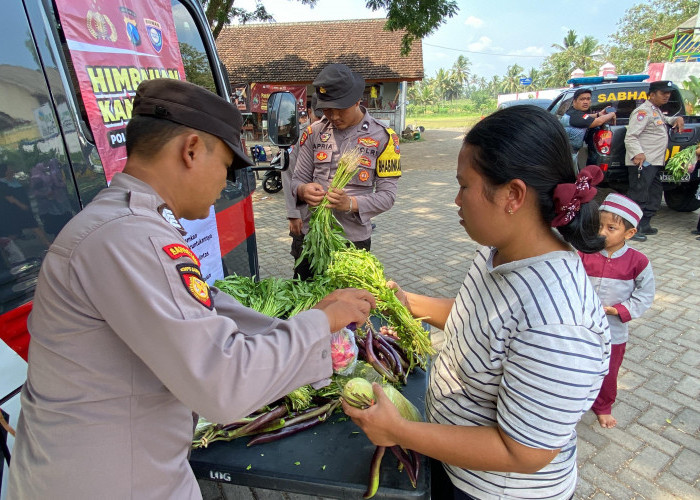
(446, 121)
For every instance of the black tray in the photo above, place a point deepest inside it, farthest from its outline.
(331, 459)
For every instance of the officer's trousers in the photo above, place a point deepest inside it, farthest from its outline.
(645, 189)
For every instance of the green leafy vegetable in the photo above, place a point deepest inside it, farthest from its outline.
(681, 162)
(325, 234)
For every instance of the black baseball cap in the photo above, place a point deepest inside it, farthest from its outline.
(195, 107)
(338, 87)
(581, 91)
(661, 86)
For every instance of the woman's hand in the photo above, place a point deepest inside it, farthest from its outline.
(400, 294)
(381, 422)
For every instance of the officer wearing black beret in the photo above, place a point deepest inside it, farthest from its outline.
(645, 151)
(346, 125)
(127, 338)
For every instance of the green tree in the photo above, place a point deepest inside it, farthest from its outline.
(197, 69)
(570, 42)
(587, 54)
(419, 19)
(629, 48)
(511, 81)
(461, 70)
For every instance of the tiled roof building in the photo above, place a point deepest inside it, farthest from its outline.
(296, 52)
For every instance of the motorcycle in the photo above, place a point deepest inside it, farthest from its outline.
(272, 180)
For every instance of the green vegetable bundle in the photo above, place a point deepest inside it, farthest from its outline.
(357, 268)
(277, 297)
(325, 234)
(681, 163)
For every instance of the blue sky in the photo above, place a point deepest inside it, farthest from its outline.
(492, 34)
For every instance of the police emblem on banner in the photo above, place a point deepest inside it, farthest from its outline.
(155, 34)
(100, 26)
(132, 30)
(192, 278)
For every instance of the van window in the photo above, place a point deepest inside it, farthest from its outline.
(194, 56)
(37, 193)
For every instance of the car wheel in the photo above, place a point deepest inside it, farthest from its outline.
(272, 183)
(682, 198)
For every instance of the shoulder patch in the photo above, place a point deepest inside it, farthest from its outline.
(304, 136)
(641, 115)
(194, 284)
(389, 162)
(368, 142)
(178, 250)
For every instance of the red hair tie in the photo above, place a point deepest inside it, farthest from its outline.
(568, 197)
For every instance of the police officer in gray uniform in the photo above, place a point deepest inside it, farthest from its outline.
(645, 151)
(127, 339)
(346, 125)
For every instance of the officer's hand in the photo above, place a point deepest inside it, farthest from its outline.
(338, 200)
(345, 306)
(639, 159)
(295, 226)
(679, 124)
(312, 193)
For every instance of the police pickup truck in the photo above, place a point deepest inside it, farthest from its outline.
(607, 144)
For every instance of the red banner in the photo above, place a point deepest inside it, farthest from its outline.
(114, 48)
(260, 92)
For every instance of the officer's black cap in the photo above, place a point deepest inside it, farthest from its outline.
(581, 91)
(338, 87)
(661, 85)
(318, 112)
(195, 107)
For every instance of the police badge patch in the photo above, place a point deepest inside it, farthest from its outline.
(195, 285)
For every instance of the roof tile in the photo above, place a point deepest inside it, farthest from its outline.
(296, 52)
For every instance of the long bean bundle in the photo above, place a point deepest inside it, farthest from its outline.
(325, 234)
(358, 268)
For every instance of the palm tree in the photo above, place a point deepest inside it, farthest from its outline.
(587, 54)
(511, 81)
(461, 70)
(570, 42)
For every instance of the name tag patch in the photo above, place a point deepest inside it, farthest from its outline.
(194, 284)
(178, 250)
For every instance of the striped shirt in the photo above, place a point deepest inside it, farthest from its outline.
(527, 347)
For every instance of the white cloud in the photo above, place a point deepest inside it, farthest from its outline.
(530, 51)
(474, 22)
(480, 45)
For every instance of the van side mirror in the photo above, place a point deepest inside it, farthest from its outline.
(282, 119)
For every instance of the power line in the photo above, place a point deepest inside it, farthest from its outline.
(475, 52)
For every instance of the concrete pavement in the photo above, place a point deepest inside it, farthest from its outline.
(654, 452)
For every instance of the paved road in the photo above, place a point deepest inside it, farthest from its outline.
(654, 452)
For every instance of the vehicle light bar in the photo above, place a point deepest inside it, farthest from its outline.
(592, 80)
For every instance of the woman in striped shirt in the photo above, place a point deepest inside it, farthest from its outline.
(527, 341)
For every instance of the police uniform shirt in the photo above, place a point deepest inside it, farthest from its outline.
(580, 119)
(126, 340)
(647, 133)
(373, 186)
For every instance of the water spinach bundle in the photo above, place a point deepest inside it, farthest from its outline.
(325, 234)
(682, 163)
(351, 267)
